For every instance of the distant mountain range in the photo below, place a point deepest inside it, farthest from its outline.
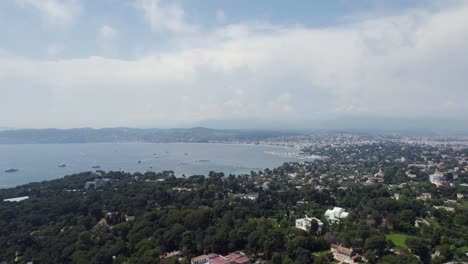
(87, 135)
(239, 130)
(367, 124)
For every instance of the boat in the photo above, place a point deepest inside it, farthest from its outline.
(186, 154)
(96, 167)
(11, 170)
(139, 161)
(63, 165)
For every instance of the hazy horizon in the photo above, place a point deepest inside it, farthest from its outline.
(423, 126)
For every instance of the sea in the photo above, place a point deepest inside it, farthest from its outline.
(40, 162)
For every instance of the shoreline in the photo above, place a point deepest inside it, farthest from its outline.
(78, 162)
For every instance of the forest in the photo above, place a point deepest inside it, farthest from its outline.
(140, 217)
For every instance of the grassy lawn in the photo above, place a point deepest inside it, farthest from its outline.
(320, 253)
(398, 239)
(464, 203)
(274, 223)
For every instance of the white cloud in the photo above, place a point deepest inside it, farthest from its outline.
(220, 16)
(54, 49)
(281, 104)
(59, 12)
(108, 40)
(407, 65)
(107, 32)
(165, 17)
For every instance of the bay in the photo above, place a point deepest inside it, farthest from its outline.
(39, 162)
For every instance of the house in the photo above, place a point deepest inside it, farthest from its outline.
(97, 183)
(410, 175)
(425, 196)
(437, 178)
(16, 199)
(384, 222)
(306, 223)
(251, 196)
(418, 223)
(100, 223)
(344, 255)
(238, 257)
(449, 209)
(172, 254)
(202, 259)
(336, 214)
(379, 174)
(129, 218)
(179, 189)
(113, 218)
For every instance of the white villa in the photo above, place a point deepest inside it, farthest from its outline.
(306, 223)
(436, 178)
(336, 214)
(16, 199)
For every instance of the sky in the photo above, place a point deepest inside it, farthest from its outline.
(159, 63)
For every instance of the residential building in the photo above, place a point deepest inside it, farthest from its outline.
(344, 255)
(238, 257)
(449, 209)
(437, 178)
(425, 196)
(335, 214)
(16, 199)
(306, 224)
(251, 196)
(97, 183)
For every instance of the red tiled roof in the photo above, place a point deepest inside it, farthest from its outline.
(242, 260)
(342, 250)
(219, 260)
(236, 257)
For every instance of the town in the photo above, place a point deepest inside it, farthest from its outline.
(366, 199)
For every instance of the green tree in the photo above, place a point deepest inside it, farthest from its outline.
(419, 248)
(377, 243)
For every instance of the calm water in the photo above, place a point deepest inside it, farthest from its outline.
(38, 162)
